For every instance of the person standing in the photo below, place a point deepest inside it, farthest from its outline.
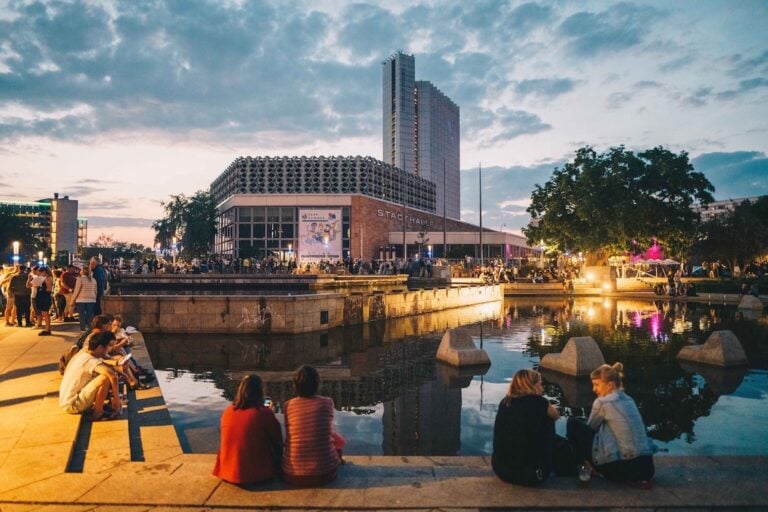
(68, 282)
(99, 273)
(22, 296)
(84, 297)
(10, 305)
(43, 300)
(251, 439)
(312, 448)
(613, 440)
(524, 432)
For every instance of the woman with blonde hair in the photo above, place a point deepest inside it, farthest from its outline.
(524, 432)
(613, 440)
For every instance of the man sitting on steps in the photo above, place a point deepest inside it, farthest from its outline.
(88, 380)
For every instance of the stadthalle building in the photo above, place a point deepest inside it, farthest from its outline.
(333, 207)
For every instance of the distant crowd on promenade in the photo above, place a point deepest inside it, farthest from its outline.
(41, 295)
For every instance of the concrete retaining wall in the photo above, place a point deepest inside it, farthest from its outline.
(286, 313)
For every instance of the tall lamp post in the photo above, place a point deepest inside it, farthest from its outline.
(39, 257)
(173, 251)
(15, 252)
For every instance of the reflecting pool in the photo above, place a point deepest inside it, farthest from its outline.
(392, 398)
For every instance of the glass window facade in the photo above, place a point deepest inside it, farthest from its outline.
(259, 231)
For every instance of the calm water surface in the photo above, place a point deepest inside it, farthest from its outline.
(392, 397)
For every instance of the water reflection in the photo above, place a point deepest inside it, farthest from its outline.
(393, 398)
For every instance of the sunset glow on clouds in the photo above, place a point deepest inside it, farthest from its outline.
(120, 104)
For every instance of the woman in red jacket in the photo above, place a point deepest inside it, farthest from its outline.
(251, 439)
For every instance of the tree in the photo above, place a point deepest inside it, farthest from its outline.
(105, 240)
(191, 221)
(617, 201)
(739, 237)
(199, 224)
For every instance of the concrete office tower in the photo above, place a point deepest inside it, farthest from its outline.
(399, 112)
(421, 131)
(64, 225)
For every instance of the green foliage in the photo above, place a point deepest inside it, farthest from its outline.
(616, 201)
(738, 237)
(192, 221)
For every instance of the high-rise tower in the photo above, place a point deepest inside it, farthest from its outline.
(421, 132)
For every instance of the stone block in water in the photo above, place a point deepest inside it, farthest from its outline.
(457, 377)
(721, 380)
(750, 302)
(580, 356)
(458, 349)
(722, 348)
(577, 391)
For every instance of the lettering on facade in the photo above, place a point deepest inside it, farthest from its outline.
(380, 212)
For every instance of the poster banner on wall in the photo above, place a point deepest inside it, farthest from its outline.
(319, 235)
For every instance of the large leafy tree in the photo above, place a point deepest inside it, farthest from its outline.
(192, 221)
(616, 201)
(738, 237)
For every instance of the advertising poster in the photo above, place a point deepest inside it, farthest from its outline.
(319, 235)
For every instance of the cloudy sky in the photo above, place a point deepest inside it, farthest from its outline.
(121, 104)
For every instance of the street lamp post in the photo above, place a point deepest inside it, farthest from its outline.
(173, 251)
(39, 257)
(15, 251)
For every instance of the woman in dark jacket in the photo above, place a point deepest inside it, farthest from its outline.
(524, 432)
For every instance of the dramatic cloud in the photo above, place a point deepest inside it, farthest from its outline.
(617, 28)
(736, 174)
(199, 82)
(545, 87)
(506, 194)
(97, 222)
(515, 123)
(744, 87)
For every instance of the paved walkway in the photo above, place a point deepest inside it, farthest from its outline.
(53, 461)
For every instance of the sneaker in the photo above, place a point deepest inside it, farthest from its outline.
(44, 333)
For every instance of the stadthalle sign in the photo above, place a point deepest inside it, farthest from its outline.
(381, 212)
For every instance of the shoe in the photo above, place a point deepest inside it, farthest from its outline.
(44, 333)
(139, 386)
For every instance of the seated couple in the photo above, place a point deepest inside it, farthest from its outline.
(612, 442)
(252, 447)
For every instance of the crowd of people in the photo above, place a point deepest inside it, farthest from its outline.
(40, 296)
(611, 443)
